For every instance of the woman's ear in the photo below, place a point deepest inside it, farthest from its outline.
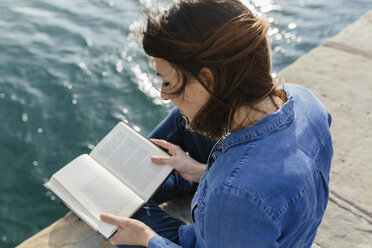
(207, 77)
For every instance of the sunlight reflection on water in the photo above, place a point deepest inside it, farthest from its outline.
(71, 70)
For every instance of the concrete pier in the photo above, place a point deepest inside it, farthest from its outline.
(339, 72)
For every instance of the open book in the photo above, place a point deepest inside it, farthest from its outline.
(117, 177)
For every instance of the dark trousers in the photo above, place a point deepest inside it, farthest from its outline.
(172, 129)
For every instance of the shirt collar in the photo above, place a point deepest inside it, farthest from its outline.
(268, 124)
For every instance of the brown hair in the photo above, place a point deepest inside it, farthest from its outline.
(224, 36)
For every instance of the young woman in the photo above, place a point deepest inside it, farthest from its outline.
(260, 153)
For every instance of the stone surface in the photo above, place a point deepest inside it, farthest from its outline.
(180, 208)
(339, 73)
(342, 79)
(356, 35)
(342, 229)
(68, 232)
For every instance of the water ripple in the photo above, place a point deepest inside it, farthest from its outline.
(69, 71)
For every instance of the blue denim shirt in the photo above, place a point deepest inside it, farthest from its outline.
(266, 185)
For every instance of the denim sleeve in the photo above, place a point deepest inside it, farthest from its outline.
(161, 242)
(235, 218)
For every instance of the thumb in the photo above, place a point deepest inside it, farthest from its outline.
(110, 219)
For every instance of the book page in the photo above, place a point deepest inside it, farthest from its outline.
(126, 154)
(96, 189)
(104, 228)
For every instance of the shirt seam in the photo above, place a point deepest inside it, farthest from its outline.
(284, 124)
(302, 192)
(322, 144)
(266, 207)
(252, 197)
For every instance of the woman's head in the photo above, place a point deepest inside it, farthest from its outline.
(193, 97)
(219, 44)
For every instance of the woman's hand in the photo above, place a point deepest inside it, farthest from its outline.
(130, 231)
(187, 167)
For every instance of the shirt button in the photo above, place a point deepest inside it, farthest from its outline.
(214, 156)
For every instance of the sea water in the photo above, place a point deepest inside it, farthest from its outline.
(70, 70)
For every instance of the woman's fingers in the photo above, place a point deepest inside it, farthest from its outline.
(162, 160)
(164, 144)
(108, 218)
(130, 231)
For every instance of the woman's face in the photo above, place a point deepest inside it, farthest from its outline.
(194, 95)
